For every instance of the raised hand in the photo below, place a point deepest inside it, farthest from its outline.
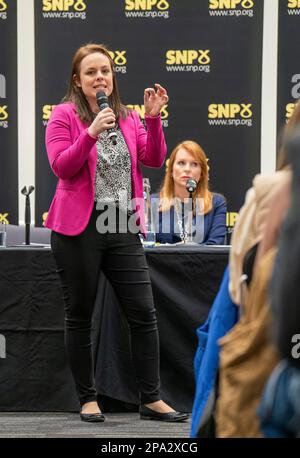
(154, 100)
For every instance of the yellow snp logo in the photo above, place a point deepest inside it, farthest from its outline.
(3, 113)
(47, 110)
(119, 57)
(231, 218)
(146, 5)
(3, 218)
(140, 109)
(44, 217)
(293, 4)
(229, 110)
(64, 5)
(187, 56)
(230, 4)
(289, 110)
(3, 6)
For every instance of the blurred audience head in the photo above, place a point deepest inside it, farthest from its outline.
(289, 130)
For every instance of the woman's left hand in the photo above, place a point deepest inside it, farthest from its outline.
(155, 100)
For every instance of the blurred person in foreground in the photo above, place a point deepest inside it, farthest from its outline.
(248, 352)
(279, 410)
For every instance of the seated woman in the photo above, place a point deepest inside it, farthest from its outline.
(188, 161)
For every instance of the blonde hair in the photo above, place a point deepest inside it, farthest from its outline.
(202, 190)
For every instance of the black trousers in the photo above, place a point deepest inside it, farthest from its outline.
(121, 257)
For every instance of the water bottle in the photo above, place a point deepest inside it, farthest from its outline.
(149, 237)
(2, 235)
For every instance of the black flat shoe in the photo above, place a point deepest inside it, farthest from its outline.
(149, 414)
(92, 417)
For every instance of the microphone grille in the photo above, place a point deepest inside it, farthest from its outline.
(101, 97)
(191, 184)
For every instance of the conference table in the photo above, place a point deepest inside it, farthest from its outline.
(34, 373)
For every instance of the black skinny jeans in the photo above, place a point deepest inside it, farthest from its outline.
(121, 257)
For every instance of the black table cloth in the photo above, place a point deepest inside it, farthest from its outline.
(34, 375)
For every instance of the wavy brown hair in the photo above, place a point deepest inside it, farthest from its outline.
(75, 94)
(202, 190)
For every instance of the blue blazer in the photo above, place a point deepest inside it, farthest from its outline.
(222, 317)
(214, 224)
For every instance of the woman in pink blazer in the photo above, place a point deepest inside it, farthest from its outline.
(97, 181)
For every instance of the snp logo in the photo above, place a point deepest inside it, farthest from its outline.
(230, 4)
(3, 218)
(64, 9)
(236, 8)
(293, 7)
(120, 61)
(147, 9)
(289, 110)
(4, 116)
(188, 60)
(3, 8)
(47, 110)
(231, 218)
(2, 346)
(230, 114)
(63, 5)
(161, 5)
(3, 5)
(140, 109)
(44, 217)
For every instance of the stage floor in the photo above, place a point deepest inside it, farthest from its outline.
(69, 425)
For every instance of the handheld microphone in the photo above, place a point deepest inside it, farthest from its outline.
(191, 185)
(102, 101)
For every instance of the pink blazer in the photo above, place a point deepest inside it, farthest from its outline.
(72, 154)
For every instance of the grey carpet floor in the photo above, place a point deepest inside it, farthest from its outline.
(52, 425)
